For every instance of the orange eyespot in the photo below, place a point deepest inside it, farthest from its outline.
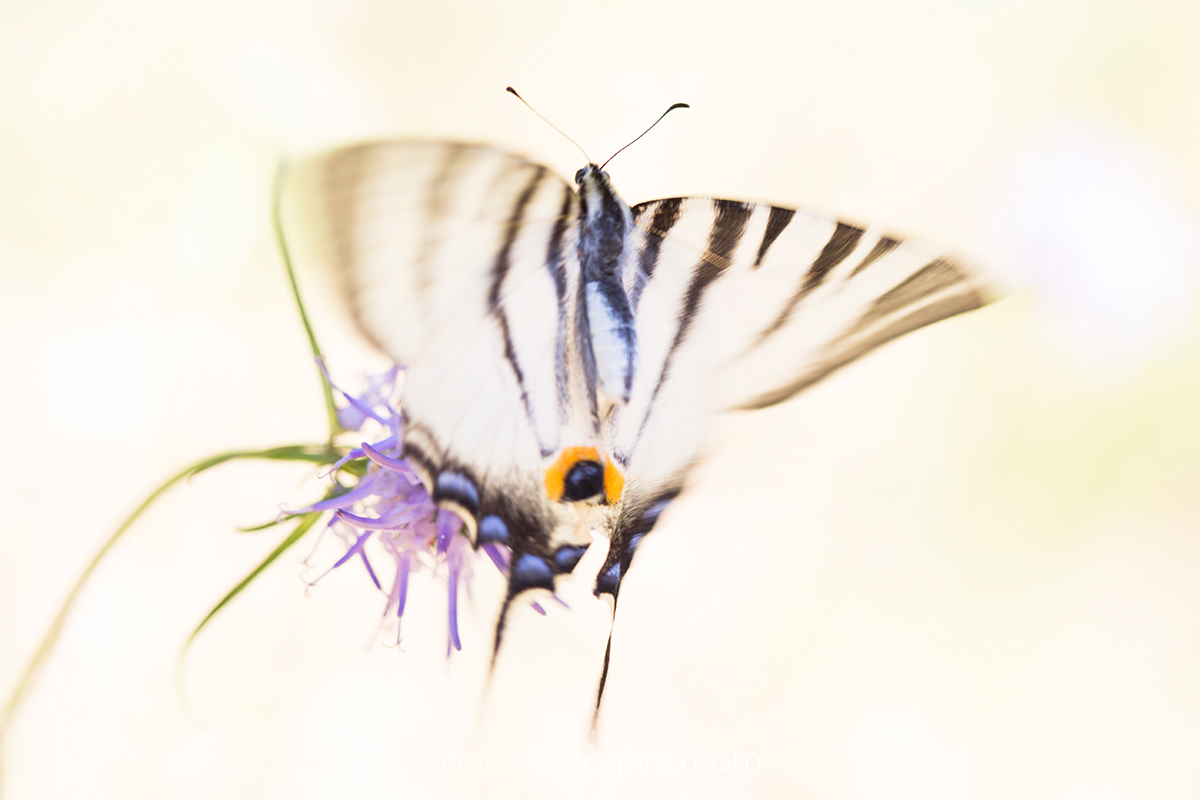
(614, 483)
(556, 473)
(580, 473)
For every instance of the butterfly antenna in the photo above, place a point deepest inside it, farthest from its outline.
(643, 133)
(513, 92)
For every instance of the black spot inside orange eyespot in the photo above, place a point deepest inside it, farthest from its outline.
(583, 480)
(579, 473)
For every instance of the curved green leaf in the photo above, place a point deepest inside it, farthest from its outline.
(319, 454)
(306, 522)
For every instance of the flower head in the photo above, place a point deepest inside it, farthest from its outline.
(389, 503)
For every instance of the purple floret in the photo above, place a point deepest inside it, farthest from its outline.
(390, 504)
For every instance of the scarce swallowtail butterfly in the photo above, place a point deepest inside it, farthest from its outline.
(565, 352)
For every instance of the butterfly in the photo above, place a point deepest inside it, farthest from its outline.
(565, 352)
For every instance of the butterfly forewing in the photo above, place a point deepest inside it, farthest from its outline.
(458, 261)
(798, 295)
(741, 306)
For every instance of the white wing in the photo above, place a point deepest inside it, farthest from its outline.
(459, 262)
(462, 263)
(741, 306)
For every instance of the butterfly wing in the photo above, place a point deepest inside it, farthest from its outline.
(741, 306)
(458, 262)
(461, 262)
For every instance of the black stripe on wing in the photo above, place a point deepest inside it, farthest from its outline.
(557, 269)
(884, 246)
(728, 227)
(666, 214)
(777, 221)
(840, 245)
(931, 279)
(499, 272)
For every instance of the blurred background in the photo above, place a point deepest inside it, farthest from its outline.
(963, 567)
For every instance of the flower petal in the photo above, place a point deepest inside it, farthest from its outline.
(393, 464)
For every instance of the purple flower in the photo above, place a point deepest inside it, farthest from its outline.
(388, 502)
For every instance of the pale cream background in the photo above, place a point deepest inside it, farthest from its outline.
(966, 567)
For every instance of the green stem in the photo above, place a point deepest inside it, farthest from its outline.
(277, 224)
(306, 522)
(320, 454)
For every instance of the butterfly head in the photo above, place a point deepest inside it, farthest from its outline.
(593, 181)
(602, 206)
(592, 178)
(583, 173)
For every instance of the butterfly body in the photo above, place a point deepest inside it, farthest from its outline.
(605, 258)
(566, 352)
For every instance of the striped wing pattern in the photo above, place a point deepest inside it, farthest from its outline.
(458, 261)
(463, 263)
(741, 306)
